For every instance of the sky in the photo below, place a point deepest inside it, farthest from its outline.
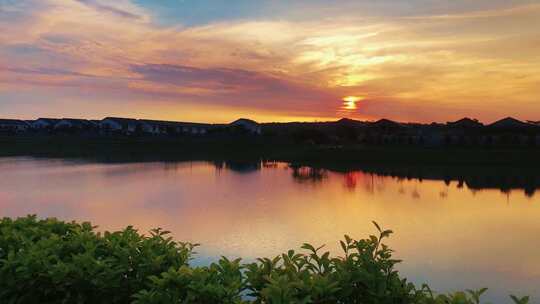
(216, 61)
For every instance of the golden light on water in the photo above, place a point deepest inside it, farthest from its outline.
(349, 102)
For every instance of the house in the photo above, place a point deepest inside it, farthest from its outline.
(386, 131)
(386, 124)
(247, 124)
(350, 122)
(193, 128)
(15, 125)
(153, 126)
(162, 127)
(159, 127)
(73, 123)
(124, 125)
(466, 131)
(44, 123)
(465, 123)
(510, 132)
(509, 123)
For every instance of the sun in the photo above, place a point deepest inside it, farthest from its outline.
(349, 102)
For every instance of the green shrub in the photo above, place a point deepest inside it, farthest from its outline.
(221, 282)
(49, 261)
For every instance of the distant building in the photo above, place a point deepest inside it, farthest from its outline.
(154, 127)
(509, 123)
(247, 124)
(14, 125)
(73, 123)
(44, 123)
(193, 128)
(465, 123)
(350, 122)
(125, 125)
(161, 127)
(464, 132)
(385, 126)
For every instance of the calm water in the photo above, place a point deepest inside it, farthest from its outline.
(452, 234)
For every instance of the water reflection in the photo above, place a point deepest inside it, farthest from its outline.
(239, 166)
(453, 228)
(473, 178)
(303, 174)
(504, 179)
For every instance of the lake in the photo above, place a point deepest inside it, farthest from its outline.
(454, 228)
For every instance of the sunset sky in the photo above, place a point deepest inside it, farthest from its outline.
(215, 61)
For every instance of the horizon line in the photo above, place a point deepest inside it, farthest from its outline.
(286, 122)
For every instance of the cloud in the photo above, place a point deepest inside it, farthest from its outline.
(185, 75)
(219, 79)
(403, 66)
(111, 9)
(46, 72)
(235, 87)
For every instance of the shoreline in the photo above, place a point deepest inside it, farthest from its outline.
(122, 149)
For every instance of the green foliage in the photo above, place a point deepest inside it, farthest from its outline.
(219, 283)
(49, 261)
(364, 275)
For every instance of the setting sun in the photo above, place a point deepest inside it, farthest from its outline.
(349, 102)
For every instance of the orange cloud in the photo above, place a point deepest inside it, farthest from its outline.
(417, 68)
